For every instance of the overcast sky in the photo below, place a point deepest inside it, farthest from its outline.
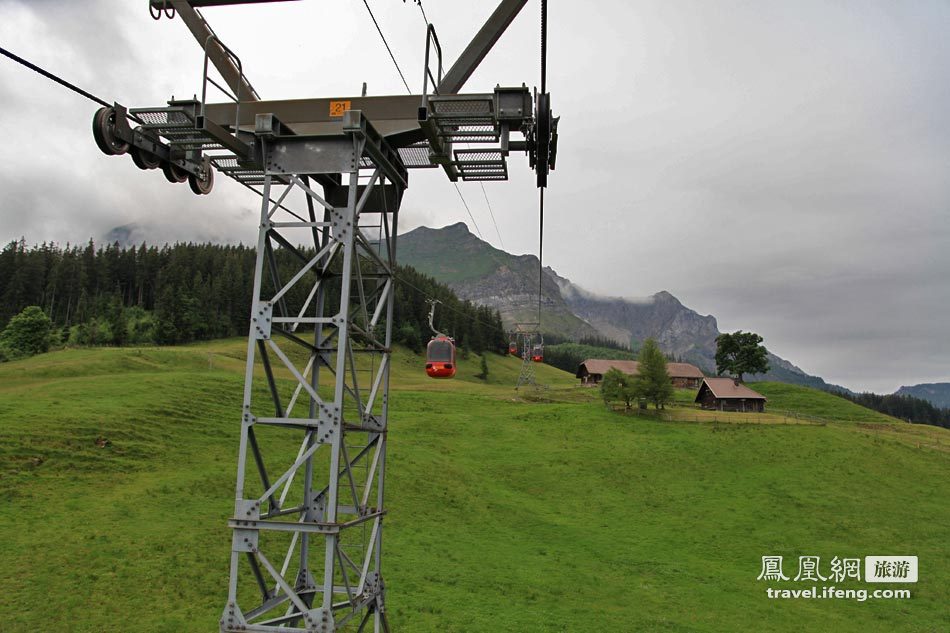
(782, 166)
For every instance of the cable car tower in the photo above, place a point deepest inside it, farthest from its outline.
(532, 346)
(309, 500)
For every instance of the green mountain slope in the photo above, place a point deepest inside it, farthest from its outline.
(477, 271)
(528, 512)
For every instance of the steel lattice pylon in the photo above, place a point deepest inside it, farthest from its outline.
(527, 333)
(308, 520)
(526, 377)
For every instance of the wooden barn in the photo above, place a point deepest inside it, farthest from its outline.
(684, 375)
(592, 371)
(728, 394)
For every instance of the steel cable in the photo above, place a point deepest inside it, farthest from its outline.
(444, 305)
(62, 82)
(471, 217)
(53, 77)
(492, 214)
(393, 57)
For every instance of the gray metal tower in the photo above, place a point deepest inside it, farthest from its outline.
(530, 336)
(527, 375)
(321, 569)
(309, 503)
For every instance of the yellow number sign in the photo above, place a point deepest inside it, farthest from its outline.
(337, 108)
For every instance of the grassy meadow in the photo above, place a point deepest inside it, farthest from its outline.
(530, 511)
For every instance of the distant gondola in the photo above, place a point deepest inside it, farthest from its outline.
(440, 357)
(513, 348)
(537, 353)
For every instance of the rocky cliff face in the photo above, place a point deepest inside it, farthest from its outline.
(678, 330)
(509, 283)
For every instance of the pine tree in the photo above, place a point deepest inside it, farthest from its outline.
(483, 368)
(118, 322)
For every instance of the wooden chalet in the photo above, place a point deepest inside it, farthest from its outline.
(728, 394)
(592, 371)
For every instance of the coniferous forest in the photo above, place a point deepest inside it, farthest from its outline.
(114, 295)
(901, 406)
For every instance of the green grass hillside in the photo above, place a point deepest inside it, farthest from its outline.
(531, 511)
(816, 402)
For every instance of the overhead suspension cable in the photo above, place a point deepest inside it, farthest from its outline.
(393, 57)
(53, 77)
(469, 211)
(409, 90)
(445, 305)
(492, 214)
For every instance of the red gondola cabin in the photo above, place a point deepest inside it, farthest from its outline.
(537, 354)
(440, 357)
(513, 349)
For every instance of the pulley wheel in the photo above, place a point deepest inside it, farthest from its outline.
(103, 130)
(174, 173)
(202, 186)
(144, 159)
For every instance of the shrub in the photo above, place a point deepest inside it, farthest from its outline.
(618, 386)
(27, 333)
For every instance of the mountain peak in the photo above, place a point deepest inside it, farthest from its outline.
(448, 233)
(454, 231)
(665, 295)
(459, 228)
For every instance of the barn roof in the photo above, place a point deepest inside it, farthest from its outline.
(600, 366)
(683, 370)
(729, 389)
(632, 367)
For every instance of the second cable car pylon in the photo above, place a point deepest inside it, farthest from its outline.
(532, 351)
